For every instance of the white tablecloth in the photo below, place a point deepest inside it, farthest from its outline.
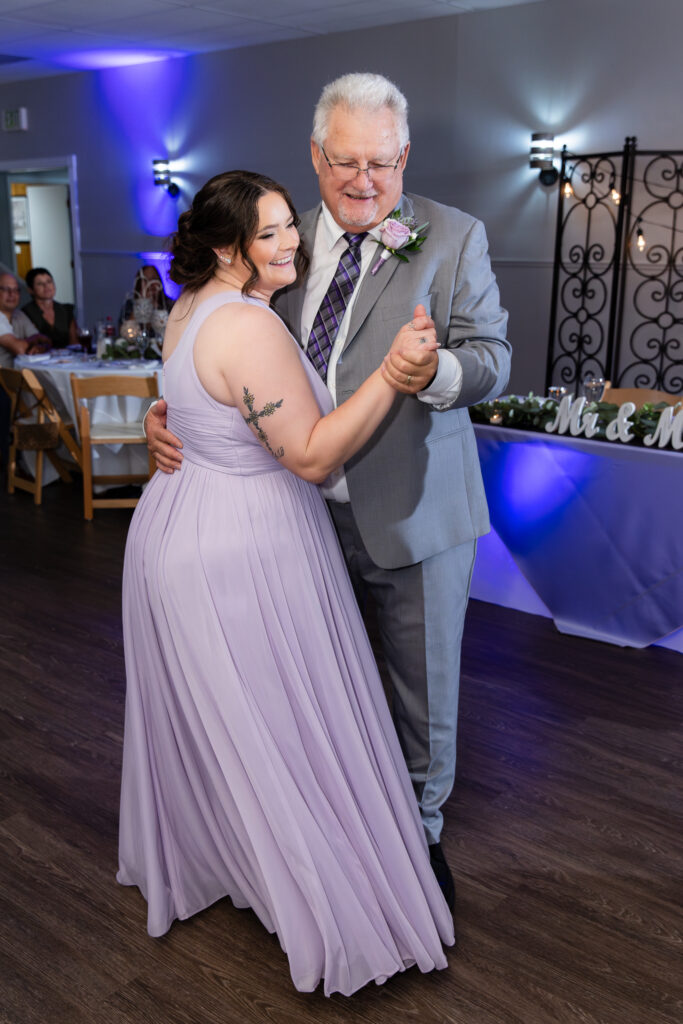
(54, 373)
(586, 532)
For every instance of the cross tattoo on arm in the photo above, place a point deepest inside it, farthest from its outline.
(254, 416)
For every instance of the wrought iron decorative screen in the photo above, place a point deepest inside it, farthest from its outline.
(617, 302)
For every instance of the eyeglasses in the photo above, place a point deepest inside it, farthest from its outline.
(346, 172)
(10, 291)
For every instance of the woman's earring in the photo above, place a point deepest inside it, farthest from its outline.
(226, 259)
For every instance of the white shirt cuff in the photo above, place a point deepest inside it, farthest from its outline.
(446, 386)
(150, 406)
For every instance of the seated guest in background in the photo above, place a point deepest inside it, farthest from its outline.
(53, 319)
(18, 334)
(17, 337)
(25, 295)
(147, 285)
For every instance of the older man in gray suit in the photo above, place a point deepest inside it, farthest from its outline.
(409, 506)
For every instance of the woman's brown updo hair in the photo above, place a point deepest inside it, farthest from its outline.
(224, 214)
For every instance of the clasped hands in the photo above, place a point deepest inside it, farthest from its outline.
(411, 363)
(37, 344)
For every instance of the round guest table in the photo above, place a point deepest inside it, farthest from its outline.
(54, 370)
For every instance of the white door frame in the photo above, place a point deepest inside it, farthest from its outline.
(53, 163)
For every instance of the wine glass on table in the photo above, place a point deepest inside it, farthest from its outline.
(143, 341)
(85, 340)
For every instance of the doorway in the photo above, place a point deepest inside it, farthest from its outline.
(39, 223)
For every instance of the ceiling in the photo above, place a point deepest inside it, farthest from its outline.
(49, 37)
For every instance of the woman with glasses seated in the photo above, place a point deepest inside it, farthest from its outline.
(53, 319)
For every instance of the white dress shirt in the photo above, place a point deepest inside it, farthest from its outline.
(328, 247)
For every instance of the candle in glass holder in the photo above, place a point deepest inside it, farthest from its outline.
(130, 330)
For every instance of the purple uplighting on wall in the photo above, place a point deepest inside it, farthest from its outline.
(98, 60)
(143, 102)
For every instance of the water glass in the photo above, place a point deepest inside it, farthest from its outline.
(557, 393)
(593, 388)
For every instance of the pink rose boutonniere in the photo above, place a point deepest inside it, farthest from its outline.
(399, 235)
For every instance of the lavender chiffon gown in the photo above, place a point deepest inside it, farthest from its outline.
(260, 761)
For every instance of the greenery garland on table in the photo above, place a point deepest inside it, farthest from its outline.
(533, 412)
(122, 348)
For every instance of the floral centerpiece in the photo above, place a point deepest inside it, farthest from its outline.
(143, 308)
(132, 348)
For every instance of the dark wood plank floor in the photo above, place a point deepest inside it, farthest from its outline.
(564, 829)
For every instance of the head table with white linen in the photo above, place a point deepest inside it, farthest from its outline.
(54, 370)
(586, 532)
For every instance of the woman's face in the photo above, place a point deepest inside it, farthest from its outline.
(274, 246)
(43, 287)
(149, 283)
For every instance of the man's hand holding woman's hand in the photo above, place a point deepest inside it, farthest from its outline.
(161, 442)
(411, 363)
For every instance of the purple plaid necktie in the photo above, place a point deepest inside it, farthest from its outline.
(332, 308)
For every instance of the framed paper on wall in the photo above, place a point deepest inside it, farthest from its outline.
(20, 225)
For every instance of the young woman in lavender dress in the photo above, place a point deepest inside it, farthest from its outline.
(260, 761)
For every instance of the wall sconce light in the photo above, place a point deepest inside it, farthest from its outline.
(162, 176)
(541, 156)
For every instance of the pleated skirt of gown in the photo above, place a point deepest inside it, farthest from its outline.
(260, 760)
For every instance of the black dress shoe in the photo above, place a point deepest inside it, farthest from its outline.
(443, 874)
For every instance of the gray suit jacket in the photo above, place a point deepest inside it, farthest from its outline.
(416, 486)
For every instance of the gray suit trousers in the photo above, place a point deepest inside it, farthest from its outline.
(421, 613)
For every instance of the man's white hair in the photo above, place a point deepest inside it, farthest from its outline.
(360, 91)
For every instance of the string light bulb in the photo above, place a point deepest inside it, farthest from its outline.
(640, 239)
(567, 190)
(615, 196)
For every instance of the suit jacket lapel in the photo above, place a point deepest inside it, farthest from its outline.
(307, 229)
(373, 285)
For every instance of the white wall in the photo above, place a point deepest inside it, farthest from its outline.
(478, 84)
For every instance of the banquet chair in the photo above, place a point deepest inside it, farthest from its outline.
(639, 396)
(109, 433)
(37, 427)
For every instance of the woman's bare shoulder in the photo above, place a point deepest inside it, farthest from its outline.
(258, 319)
(182, 307)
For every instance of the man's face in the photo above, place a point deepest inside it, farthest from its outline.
(366, 138)
(9, 294)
